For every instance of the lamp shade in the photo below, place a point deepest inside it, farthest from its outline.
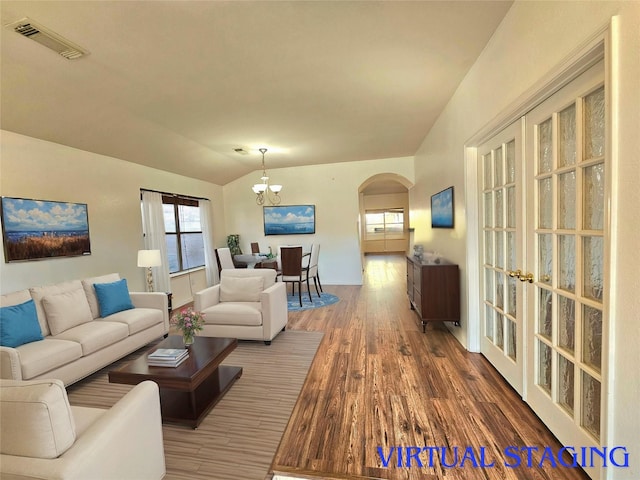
(149, 258)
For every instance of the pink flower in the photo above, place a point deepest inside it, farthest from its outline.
(188, 321)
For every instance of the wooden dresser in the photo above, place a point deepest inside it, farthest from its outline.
(433, 288)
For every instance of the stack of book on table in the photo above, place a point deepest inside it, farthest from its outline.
(167, 357)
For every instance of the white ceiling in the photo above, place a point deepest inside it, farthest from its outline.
(178, 85)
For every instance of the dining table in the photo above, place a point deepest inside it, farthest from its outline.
(250, 260)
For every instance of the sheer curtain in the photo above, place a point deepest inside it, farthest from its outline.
(210, 264)
(154, 238)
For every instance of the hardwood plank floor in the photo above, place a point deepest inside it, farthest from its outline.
(378, 381)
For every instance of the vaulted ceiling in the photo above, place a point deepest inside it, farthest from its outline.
(179, 85)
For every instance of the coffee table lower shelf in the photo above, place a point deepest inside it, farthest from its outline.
(190, 408)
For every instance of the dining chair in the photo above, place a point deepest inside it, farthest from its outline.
(224, 259)
(255, 248)
(311, 270)
(291, 268)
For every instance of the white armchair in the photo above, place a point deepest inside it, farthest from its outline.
(247, 304)
(43, 437)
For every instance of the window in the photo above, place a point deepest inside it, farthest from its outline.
(185, 243)
(382, 224)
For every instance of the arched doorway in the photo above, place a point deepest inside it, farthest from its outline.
(384, 214)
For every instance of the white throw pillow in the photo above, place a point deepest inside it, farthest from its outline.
(241, 289)
(38, 293)
(66, 310)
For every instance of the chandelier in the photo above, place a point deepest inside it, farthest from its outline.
(263, 190)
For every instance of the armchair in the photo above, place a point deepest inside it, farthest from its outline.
(43, 437)
(247, 304)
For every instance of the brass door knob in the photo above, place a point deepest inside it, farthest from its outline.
(526, 278)
(515, 273)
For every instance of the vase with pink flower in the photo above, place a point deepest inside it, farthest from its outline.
(188, 322)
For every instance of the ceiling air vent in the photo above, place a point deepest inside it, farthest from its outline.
(30, 29)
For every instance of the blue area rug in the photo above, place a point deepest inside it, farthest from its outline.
(293, 302)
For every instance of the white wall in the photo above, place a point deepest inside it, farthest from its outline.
(32, 168)
(534, 38)
(333, 189)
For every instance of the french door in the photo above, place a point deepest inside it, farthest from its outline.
(544, 238)
(566, 138)
(502, 230)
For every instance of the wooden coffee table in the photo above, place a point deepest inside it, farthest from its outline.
(189, 391)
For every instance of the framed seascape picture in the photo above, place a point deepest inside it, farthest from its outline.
(37, 229)
(442, 209)
(289, 220)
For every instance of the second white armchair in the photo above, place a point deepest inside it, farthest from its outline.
(247, 304)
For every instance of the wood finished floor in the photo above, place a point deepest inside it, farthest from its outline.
(377, 380)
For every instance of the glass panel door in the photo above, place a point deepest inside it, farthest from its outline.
(502, 237)
(565, 182)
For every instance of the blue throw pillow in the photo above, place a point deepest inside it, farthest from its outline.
(113, 297)
(19, 325)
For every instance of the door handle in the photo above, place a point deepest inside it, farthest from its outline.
(526, 278)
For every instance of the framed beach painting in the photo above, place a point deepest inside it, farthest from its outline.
(442, 209)
(289, 220)
(39, 229)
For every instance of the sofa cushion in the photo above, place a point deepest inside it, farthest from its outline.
(95, 335)
(239, 313)
(38, 293)
(90, 292)
(113, 297)
(37, 358)
(14, 298)
(138, 319)
(246, 289)
(66, 310)
(35, 419)
(19, 324)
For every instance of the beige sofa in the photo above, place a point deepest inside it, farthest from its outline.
(77, 340)
(43, 437)
(247, 304)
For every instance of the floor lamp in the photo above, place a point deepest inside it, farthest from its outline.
(148, 259)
